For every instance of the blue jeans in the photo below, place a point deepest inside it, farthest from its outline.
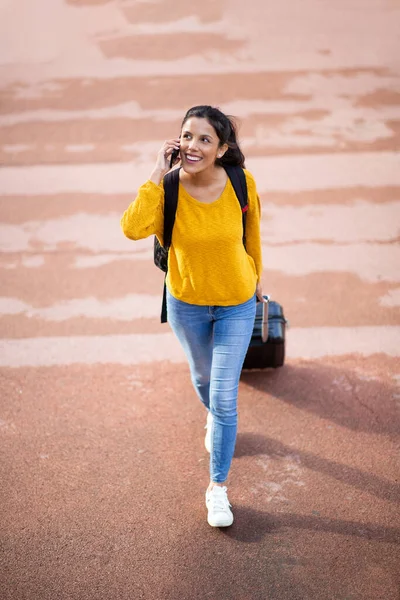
(215, 340)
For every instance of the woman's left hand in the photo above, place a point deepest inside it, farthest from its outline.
(259, 293)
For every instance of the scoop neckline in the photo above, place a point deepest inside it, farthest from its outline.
(190, 197)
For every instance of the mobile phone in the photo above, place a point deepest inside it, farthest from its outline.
(174, 156)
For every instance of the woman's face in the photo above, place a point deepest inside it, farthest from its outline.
(200, 145)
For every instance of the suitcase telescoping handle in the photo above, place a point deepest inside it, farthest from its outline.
(264, 322)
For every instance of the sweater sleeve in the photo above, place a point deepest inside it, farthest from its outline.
(145, 215)
(253, 233)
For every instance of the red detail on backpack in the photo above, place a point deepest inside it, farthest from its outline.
(245, 208)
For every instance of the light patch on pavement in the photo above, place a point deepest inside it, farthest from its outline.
(90, 350)
(145, 150)
(12, 306)
(273, 492)
(327, 100)
(99, 260)
(281, 473)
(127, 110)
(370, 262)
(302, 343)
(97, 233)
(36, 91)
(333, 27)
(343, 383)
(392, 298)
(32, 262)
(317, 342)
(272, 173)
(15, 148)
(323, 85)
(80, 148)
(102, 236)
(128, 308)
(333, 130)
(363, 377)
(325, 171)
(359, 222)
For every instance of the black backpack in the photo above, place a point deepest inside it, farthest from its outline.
(171, 189)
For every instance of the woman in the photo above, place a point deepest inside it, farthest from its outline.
(213, 280)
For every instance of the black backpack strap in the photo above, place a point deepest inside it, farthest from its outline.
(239, 184)
(171, 189)
(171, 192)
(164, 303)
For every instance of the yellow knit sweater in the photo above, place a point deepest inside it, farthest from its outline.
(207, 262)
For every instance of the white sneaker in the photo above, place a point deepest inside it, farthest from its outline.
(219, 511)
(207, 439)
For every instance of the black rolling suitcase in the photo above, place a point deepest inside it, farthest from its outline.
(267, 345)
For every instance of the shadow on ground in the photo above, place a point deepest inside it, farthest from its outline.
(251, 526)
(249, 444)
(345, 396)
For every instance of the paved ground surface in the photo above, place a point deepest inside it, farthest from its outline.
(103, 467)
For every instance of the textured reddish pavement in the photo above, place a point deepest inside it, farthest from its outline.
(103, 466)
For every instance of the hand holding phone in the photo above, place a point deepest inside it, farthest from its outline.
(174, 156)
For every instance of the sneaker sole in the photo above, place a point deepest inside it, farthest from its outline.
(226, 523)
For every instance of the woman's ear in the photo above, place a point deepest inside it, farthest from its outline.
(222, 150)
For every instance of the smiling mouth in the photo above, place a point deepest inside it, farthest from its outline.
(193, 159)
